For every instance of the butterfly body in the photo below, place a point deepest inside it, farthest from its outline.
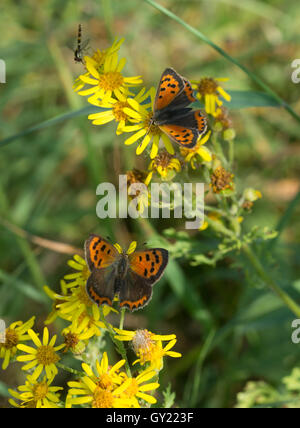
(171, 112)
(129, 276)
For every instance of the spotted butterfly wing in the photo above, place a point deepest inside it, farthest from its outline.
(99, 253)
(145, 269)
(149, 264)
(101, 257)
(170, 86)
(186, 130)
(100, 286)
(182, 124)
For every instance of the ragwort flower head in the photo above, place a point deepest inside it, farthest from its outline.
(148, 346)
(15, 334)
(199, 153)
(145, 130)
(105, 389)
(114, 108)
(36, 394)
(166, 165)
(221, 180)
(139, 386)
(106, 79)
(43, 357)
(211, 92)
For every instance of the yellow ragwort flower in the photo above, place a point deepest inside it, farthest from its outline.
(143, 127)
(137, 387)
(98, 58)
(57, 298)
(221, 180)
(76, 336)
(43, 357)
(114, 108)
(101, 390)
(36, 394)
(16, 333)
(166, 165)
(106, 80)
(211, 216)
(210, 90)
(74, 304)
(81, 276)
(78, 308)
(148, 346)
(198, 153)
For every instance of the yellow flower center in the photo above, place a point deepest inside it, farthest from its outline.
(11, 339)
(111, 80)
(71, 340)
(118, 111)
(102, 399)
(132, 389)
(207, 86)
(40, 391)
(163, 161)
(46, 355)
(135, 176)
(150, 125)
(221, 180)
(105, 382)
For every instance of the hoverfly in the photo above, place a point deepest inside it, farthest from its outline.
(79, 51)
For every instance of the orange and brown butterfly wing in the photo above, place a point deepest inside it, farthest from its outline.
(171, 84)
(101, 257)
(135, 292)
(100, 286)
(145, 269)
(187, 129)
(99, 253)
(149, 264)
(183, 99)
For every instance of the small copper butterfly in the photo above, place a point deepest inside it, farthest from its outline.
(171, 114)
(130, 276)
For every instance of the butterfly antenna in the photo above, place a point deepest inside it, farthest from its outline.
(151, 121)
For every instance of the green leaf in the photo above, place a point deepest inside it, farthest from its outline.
(3, 389)
(23, 287)
(246, 99)
(186, 293)
(51, 122)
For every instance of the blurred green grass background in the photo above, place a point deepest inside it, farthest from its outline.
(48, 178)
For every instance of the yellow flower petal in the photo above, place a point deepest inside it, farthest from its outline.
(142, 146)
(34, 338)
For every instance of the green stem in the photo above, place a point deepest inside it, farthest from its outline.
(120, 348)
(258, 267)
(122, 317)
(252, 76)
(231, 152)
(70, 370)
(219, 150)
